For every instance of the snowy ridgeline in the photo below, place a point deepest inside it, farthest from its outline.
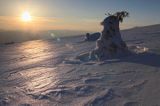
(47, 73)
(10, 37)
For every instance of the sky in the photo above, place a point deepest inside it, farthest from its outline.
(84, 15)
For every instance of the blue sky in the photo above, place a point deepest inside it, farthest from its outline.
(82, 14)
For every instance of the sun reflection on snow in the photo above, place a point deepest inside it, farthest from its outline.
(33, 52)
(37, 75)
(32, 47)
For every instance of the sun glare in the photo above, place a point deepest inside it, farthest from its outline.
(26, 16)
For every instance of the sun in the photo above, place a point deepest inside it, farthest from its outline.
(26, 16)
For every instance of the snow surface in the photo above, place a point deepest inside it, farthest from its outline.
(47, 73)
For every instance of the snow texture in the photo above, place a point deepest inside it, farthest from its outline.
(47, 73)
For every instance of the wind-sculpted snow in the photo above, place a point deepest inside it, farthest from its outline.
(48, 73)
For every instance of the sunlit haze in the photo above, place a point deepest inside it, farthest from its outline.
(26, 16)
(84, 15)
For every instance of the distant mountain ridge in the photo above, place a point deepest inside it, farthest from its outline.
(149, 28)
(20, 36)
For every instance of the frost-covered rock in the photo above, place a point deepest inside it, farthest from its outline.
(92, 37)
(110, 43)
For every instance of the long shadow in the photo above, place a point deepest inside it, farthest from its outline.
(150, 59)
(147, 58)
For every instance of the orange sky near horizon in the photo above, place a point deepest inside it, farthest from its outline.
(47, 23)
(81, 15)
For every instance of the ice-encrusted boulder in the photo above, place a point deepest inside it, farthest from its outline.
(110, 43)
(92, 37)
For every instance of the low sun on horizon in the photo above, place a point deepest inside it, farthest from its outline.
(26, 17)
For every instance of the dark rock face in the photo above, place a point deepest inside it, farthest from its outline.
(110, 42)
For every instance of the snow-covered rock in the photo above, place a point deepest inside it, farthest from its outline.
(92, 37)
(110, 43)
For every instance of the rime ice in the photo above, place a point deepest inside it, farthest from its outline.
(110, 43)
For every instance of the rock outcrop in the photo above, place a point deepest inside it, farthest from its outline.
(110, 43)
(92, 37)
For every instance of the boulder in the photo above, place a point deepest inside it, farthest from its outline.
(92, 37)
